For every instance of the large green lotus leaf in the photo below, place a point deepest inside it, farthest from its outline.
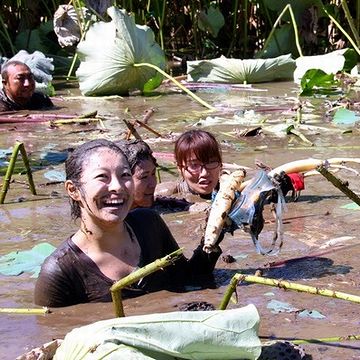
(196, 335)
(109, 52)
(235, 71)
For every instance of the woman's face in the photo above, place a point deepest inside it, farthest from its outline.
(106, 190)
(201, 178)
(144, 177)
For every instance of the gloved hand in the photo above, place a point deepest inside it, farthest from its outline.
(293, 182)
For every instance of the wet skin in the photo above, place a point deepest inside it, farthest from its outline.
(20, 85)
(106, 191)
(144, 177)
(202, 180)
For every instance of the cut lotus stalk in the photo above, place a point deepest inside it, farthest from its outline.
(221, 206)
(300, 166)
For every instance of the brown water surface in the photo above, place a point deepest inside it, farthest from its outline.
(320, 235)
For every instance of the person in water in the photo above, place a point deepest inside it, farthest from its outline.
(143, 168)
(18, 92)
(199, 161)
(111, 242)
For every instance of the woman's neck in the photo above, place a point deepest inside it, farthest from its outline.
(99, 238)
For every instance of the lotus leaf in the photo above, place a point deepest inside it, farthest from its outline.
(110, 52)
(330, 63)
(234, 71)
(217, 334)
(211, 20)
(18, 262)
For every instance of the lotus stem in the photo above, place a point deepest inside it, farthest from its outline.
(27, 167)
(183, 88)
(350, 21)
(287, 7)
(139, 274)
(286, 285)
(7, 36)
(132, 130)
(352, 42)
(10, 170)
(87, 117)
(339, 184)
(228, 293)
(325, 340)
(84, 31)
(72, 121)
(147, 127)
(312, 341)
(158, 175)
(25, 311)
(300, 135)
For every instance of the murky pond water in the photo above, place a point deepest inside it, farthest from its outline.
(321, 244)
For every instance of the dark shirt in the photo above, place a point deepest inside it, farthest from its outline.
(69, 276)
(36, 102)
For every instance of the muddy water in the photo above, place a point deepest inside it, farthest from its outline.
(321, 241)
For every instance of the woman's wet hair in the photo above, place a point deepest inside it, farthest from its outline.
(136, 151)
(74, 165)
(200, 142)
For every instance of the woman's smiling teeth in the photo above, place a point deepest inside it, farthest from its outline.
(112, 202)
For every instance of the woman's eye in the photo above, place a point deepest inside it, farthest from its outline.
(101, 176)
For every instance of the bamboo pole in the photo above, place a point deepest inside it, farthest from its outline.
(338, 183)
(137, 275)
(283, 284)
(25, 311)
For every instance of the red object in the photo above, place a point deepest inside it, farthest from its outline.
(297, 180)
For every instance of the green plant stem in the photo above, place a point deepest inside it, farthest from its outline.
(228, 293)
(352, 42)
(28, 169)
(325, 340)
(351, 22)
(19, 146)
(293, 20)
(43, 310)
(13, 51)
(9, 173)
(86, 27)
(312, 341)
(137, 275)
(339, 184)
(286, 285)
(183, 88)
(246, 23)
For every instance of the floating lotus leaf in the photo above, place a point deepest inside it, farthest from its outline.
(235, 71)
(196, 335)
(109, 53)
